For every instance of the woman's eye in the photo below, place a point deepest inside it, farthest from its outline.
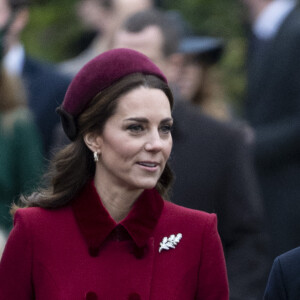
(166, 128)
(135, 128)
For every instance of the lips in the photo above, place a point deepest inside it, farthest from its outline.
(148, 164)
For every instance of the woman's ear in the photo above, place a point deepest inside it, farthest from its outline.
(93, 141)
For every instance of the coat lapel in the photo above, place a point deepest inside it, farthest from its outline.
(95, 224)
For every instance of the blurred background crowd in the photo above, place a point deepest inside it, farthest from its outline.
(233, 68)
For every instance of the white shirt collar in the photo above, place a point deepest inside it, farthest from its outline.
(270, 19)
(14, 60)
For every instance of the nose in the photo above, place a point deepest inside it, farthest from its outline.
(154, 142)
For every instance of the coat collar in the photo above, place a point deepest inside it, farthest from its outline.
(95, 223)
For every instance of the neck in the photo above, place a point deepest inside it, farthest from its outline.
(10, 43)
(118, 201)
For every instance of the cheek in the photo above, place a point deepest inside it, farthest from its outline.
(4, 16)
(196, 79)
(125, 152)
(121, 148)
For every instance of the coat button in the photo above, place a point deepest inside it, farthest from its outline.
(93, 251)
(134, 296)
(91, 296)
(139, 252)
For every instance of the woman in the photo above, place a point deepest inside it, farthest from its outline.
(102, 230)
(20, 147)
(198, 82)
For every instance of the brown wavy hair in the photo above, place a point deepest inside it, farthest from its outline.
(73, 166)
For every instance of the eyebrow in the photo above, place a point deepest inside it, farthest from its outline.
(144, 120)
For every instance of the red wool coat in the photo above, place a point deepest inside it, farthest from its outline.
(79, 252)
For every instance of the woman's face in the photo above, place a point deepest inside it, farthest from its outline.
(136, 141)
(190, 78)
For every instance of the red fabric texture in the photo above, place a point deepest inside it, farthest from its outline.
(47, 255)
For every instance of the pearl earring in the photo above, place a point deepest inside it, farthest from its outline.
(96, 158)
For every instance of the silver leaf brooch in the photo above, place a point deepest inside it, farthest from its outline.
(170, 242)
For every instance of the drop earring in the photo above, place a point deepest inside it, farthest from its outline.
(96, 158)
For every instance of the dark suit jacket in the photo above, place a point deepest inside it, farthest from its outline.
(284, 279)
(214, 173)
(46, 89)
(273, 110)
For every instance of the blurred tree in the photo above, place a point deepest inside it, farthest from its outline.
(52, 29)
(215, 17)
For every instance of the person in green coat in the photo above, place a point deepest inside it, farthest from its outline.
(21, 160)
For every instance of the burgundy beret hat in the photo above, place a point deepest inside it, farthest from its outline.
(98, 74)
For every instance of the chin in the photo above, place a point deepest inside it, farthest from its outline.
(147, 185)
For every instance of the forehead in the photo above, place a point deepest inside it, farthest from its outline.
(149, 41)
(4, 5)
(126, 8)
(4, 12)
(143, 100)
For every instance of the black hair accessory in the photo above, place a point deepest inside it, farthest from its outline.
(68, 123)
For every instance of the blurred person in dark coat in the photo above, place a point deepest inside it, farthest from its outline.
(45, 87)
(272, 108)
(284, 279)
(20, 146)
(211, 161)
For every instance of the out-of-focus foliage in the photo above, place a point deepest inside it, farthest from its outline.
(54, 29)
(216, 17)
